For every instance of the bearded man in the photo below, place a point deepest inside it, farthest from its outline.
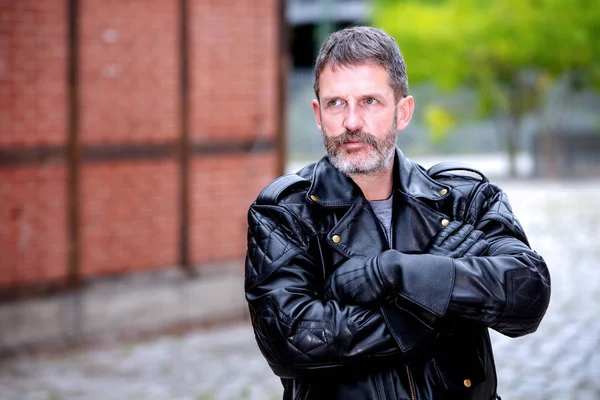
(369, 277)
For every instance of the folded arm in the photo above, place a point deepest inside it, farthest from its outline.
(297, 330)
(506, 288)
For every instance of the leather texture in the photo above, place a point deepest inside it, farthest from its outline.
(429, 340)
(458, 240)
(365, 281)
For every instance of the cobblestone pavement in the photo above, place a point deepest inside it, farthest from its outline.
(560, 361)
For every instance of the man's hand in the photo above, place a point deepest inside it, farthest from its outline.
(367, 280)
(363, 280)
(458, 240)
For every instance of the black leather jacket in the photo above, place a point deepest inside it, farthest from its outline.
(429, 342)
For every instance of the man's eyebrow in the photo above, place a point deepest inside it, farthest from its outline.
(380, 95)
(327, 99)
(373, 94)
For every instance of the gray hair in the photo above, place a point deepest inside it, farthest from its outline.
(360, 45)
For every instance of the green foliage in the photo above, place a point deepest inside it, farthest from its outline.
(510, 51)
(439, 122)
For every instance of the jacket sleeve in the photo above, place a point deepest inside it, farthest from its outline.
(508, 289)
(298, 332)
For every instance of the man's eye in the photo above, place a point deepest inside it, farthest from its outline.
(370, 100)
(335, 102)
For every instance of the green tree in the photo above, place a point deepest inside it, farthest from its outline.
(508, 51)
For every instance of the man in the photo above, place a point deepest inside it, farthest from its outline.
(368, 277)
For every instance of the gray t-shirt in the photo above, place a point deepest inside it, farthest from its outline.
(383, 210)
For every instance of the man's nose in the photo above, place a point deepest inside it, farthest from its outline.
(352, 120)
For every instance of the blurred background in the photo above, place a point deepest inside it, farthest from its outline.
(134, 134)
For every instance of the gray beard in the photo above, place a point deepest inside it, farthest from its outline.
(379, 157)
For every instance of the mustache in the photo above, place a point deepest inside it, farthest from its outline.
(353, 136)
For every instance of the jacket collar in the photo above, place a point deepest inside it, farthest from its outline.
(332, 188)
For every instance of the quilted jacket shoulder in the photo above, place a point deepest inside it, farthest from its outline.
(275, 232)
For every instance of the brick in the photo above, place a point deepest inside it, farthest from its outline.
(129, 216)
(129, 71)
(33, 237)
(32, 56)
(129, 94)
(229, 72)
(222, 190)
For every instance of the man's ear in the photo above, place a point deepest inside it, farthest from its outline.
(317, 111)
(405, 109)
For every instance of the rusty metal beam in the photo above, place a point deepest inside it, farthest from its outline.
(283, 61)
(73, 145)
(184, 142)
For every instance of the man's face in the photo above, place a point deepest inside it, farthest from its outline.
(359, 117)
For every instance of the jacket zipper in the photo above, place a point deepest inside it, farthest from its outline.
(322, 259)
(488, 341)
(379, 387)
(410, 383)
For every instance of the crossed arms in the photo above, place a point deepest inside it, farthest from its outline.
(488, 277)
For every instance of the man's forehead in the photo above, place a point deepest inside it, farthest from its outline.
(362, 77)
(336, 66)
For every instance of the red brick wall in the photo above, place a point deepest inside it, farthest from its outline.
(33, 235)
(234, 64)
(222, 190)
(129, 71)
(129, 216)
(129, 95)
(234, 97)
(33, 60)
(33, 240)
